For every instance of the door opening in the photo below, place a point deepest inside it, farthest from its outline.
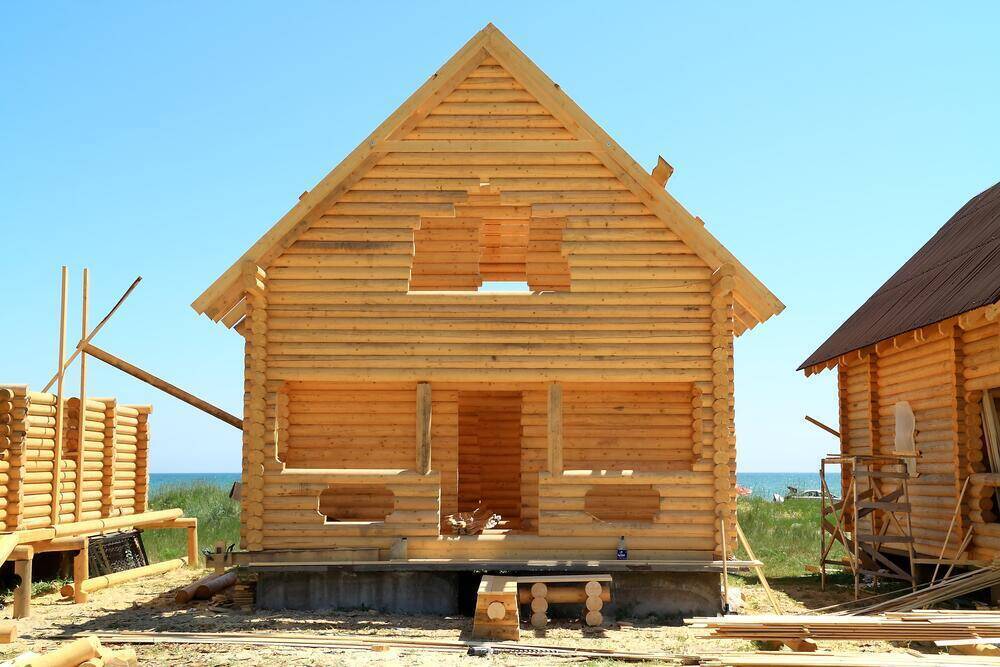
(489, 454)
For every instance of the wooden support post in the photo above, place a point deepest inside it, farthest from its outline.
(90, 336)
(192, 545)
(60, 406)
(723, 436)
(555, 445)
(162, 385)
(82, 426)
(22, 594)
(255, 435)
(423, 428)
(219, 558)
(81, 571)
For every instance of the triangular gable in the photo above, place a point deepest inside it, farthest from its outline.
(407, 130)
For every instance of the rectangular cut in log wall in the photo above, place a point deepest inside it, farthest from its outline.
(110, 477)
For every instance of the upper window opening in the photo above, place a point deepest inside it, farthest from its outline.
(489, 242)
(505, 286)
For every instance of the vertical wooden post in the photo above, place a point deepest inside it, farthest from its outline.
(423, 427)
(555, 429)
(81, 571)
(22, 594)
(723, 436)
(60, 406)
(81, 432)
(194, 559)
(255, 435)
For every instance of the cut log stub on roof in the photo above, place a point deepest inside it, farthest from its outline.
(662, 171)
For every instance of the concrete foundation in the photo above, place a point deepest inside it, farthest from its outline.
(400, 592)
(634, 594)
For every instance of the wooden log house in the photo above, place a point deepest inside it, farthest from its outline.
(384, 392)
(922, 355)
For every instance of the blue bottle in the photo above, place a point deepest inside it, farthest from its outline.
(622, 553)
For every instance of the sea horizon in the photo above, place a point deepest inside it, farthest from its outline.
(761, 484)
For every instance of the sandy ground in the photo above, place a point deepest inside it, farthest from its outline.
(149, 605)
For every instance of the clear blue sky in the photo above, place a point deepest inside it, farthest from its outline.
(822, 143)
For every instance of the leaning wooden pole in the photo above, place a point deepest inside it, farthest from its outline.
(162, 385)
(60, 405)
(90, 336)
(82, 428)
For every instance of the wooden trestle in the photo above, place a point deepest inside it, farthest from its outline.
(872, 514)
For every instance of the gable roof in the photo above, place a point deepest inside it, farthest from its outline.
(956, 271)
(223, 297)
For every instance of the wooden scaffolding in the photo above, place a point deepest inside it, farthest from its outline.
(871, 520)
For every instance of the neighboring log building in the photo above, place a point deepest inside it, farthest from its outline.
(384, 393)
(927, 345)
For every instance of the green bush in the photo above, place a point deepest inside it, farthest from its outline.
(218, 518)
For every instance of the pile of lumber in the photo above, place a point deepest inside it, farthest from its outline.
(552, 652)
(947, 589)
(206, 587)
(86, 650)
(474, 522)
(915, 626)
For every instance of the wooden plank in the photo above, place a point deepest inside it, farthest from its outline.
(423, 462)
(555, 429)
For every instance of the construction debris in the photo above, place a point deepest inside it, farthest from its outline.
(474, 522)
(946, 589)
(923, 625)
(520, 650)
(84, 650)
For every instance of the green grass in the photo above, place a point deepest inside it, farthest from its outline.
(784, 536)
(218, 518)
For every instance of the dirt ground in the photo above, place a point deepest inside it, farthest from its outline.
(149, 605)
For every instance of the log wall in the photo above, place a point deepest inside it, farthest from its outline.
(941, 371)
(103, 471)
(377, 295)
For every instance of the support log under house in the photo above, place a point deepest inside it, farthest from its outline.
(384, 392)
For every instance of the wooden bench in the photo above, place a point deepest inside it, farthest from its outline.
(541, 591)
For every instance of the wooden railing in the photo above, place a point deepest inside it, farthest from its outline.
(292, 502)
(685, 505)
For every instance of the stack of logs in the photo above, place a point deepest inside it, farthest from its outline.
(52, 473)
(591, 594)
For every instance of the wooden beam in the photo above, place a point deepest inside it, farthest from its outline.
(823, 426)
(555, 429)
(498, 146)
(162, 385)
(135, 283)
(60, 405)
(423, 427)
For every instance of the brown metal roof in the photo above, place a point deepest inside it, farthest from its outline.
(958, 270)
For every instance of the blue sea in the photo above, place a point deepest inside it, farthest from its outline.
(761, 484)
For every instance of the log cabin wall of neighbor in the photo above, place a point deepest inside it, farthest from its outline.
(918, 369)
(941, 372)
(383, 392)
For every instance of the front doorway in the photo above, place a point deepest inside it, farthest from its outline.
(489, 454)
